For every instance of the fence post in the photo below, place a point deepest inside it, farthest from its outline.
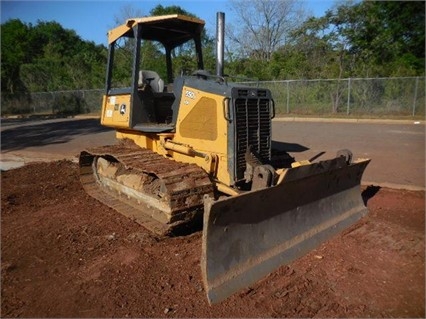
(349, 97)
(288, 99)
(53, 102)
(415, 96)
(31, 99)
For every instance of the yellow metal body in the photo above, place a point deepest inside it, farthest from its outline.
(119, 31)
(286, 211)
(200, 136)
(113, 113)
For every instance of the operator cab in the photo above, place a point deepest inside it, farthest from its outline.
(142, 88)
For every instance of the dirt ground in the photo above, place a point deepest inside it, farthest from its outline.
(63, 254)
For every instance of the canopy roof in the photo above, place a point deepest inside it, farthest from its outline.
(171, 30)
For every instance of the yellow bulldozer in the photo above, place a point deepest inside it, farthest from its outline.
(195, 150)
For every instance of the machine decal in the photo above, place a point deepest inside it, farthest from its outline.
(190, 94)
(123, 109)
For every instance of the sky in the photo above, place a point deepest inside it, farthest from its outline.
(92, 19)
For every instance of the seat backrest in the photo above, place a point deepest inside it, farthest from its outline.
(153, 79)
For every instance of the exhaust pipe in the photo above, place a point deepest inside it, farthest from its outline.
(220, 45)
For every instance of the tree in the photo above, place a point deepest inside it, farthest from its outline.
(391, 34)
(127, 11)
(309, 52)
(15, 50)
(62, 60)
(159, 10)
(263, 25)
(366, 39)
(48, 57)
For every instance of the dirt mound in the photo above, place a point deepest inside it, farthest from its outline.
(66, 255)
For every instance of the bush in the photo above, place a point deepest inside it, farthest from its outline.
(15, 103)
(69, 104)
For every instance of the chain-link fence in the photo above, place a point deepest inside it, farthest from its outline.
(59, 102)
(374, 97)
(354, 97)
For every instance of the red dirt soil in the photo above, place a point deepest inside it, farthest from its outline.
(63, 254)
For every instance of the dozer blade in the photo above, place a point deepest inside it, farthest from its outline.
(248, 236)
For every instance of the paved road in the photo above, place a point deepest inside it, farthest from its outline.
(24, 141)
(397, 150)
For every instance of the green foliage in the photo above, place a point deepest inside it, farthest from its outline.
(47, 57)
(354, 39)
(69, 104)
(366, 39)
(15, 50)
(392, 33)
(159, 10)
(15, 103)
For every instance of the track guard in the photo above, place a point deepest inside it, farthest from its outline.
(248, 236)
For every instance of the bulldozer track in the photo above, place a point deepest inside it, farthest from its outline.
(183, 187)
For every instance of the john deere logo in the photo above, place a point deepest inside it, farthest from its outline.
(123, 109)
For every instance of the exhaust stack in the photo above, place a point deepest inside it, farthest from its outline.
(220, 45)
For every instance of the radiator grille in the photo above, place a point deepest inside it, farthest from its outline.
(253, 128)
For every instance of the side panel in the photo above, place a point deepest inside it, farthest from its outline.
(116, 111)
(201, 125)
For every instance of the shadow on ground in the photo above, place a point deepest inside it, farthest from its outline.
(288, 147)
(44, 133)
(369, 193)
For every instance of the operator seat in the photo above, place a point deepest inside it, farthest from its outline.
(152, 79)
